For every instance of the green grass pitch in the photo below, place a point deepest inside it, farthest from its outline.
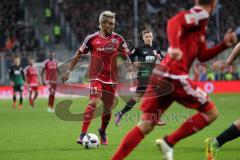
(35, 134)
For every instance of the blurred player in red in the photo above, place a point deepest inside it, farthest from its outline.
(187, 40)
(50, 68)
(31, 74)
(105, 46)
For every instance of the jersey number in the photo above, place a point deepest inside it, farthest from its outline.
(150, 58)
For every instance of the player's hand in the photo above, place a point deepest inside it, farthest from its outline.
(137, 64)
(11, 83)
(65, 76)
(230, 38)
(43, 83)
(175, 53)
(219, 65)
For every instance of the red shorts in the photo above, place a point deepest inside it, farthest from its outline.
(183, 91)
(33, 88)
(103, 91)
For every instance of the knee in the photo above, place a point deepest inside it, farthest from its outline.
(107, 110)
(94, 102)
(146, 127)
(212, 114)
(137, 97)
(237, 123)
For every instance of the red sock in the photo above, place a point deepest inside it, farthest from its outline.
(30, 100)
(191, 126)
(88, 114)
(129, 142)
(105, 121)
(50, 100)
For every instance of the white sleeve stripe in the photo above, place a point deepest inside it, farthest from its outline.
(44, 63)
(25, 70)
(87, 39)
(198, 15)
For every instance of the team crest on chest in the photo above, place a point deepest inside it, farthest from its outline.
(113, 40)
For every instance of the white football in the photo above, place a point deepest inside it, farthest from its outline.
(90, 140)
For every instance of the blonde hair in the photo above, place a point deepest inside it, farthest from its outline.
(104, 17)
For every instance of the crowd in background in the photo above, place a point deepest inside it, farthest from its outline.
(83, 17)
(17, 36)
(203, 72)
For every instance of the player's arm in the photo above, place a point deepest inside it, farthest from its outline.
(75, 60)
(11, 75)
(206, 53)
(42, 74)
(234, 54)
(23, 75)
(84, 48)
(125, 54)
(159, 55)
(133, 56)
(219, 65)
(176, 26)
(72, 64)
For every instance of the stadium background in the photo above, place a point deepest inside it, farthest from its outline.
(36, 27)
(33, 28)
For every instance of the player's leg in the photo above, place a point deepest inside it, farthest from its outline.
(50, 101)
(108, 99)
(20, 100)
(214, 144)
(190, 96)
(152, 109)
(35, 94)
(20, 90)
(229, 134)
(14, 97)
(132, 139)
(51, 98)
(30, 95)
(193, 125)
(129, 105)
(95, 95)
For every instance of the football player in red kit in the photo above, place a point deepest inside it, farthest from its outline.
(187, 39)
(50, 68)
(31, 74)
(105, 46)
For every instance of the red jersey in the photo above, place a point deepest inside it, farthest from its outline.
(104, 53)
(50, 67)
(187, 31)
(31, 74)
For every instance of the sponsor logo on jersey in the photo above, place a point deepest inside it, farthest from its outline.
(109, 48)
